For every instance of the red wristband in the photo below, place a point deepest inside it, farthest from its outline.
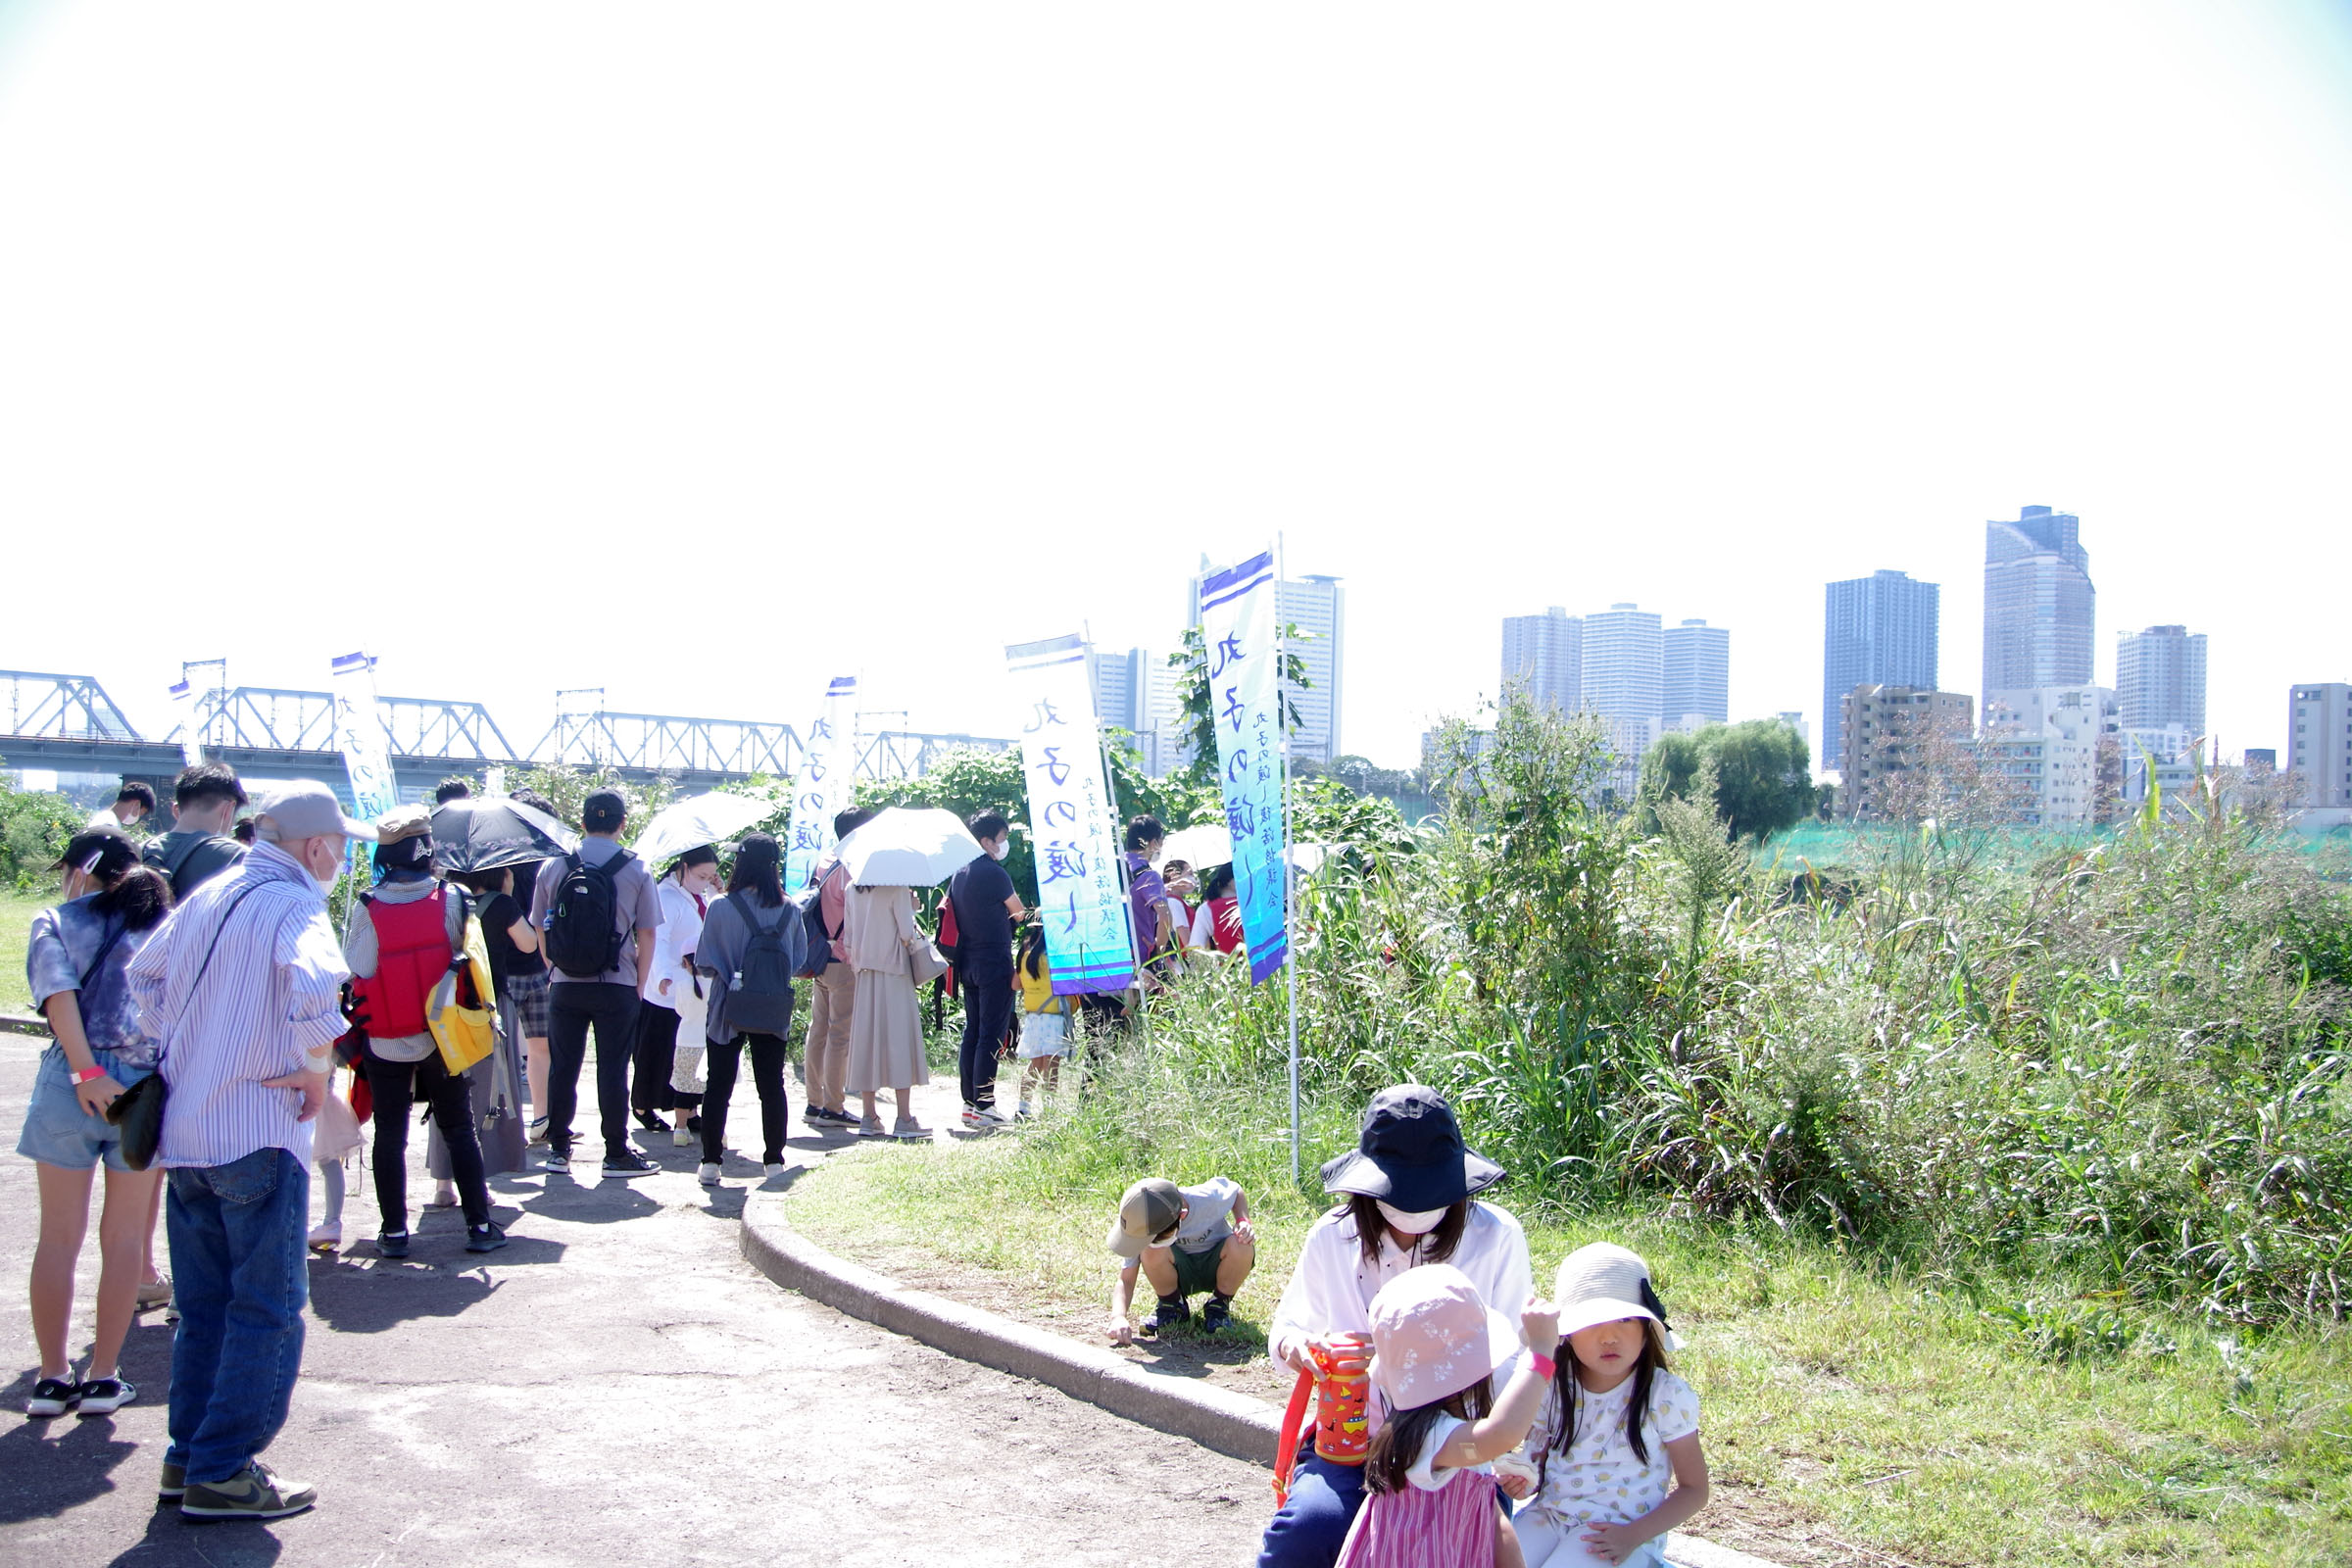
(1544, 1364)
(88, 1074)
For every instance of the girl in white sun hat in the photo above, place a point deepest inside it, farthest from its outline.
(1615, 1452)
(1436, 1348)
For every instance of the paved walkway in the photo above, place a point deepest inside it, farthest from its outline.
(616, 1386)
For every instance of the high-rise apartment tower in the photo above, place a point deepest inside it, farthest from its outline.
(2160, 678)
(2319, 742)
(1695, 676)
(1879, 630)
(1543, 656)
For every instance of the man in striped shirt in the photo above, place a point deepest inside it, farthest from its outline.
(242, 986)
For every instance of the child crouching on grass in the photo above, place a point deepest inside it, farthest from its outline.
(1616, 1452)
(1429, 1499)
(1184, 1241)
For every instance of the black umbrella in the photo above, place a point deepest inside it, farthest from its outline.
(482, 835)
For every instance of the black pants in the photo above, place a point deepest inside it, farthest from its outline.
(571, 1007)
(395, 1086)
(656, 1055)
(987, 1013)
(767, 1076)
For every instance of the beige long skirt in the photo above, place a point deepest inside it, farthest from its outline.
(886, 1035)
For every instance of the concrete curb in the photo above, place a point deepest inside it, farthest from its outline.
(22, 1023)
(1230, 1423)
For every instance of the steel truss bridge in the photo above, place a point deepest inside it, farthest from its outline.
(68, 725)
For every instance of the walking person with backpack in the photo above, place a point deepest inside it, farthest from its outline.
(825, 1066)
(752, 945)
(399, 942)
(599, 911)
(686, 890)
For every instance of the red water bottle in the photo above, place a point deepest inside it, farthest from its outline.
(1342, 1391)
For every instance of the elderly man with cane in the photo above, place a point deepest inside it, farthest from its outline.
(242, 987)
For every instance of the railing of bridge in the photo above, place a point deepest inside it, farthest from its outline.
(39, 706)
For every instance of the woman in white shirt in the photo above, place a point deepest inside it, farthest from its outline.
(674, 992)
(1409, 1200)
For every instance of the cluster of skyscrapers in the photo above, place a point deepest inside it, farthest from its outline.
(1141, 690)
(1624, 663)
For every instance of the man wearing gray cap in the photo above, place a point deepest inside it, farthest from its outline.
(242, 987)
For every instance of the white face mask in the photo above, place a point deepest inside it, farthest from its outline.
(327, 883)
(1413, 1222)
(1000, 849)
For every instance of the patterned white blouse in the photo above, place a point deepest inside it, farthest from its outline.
(1599, 1480)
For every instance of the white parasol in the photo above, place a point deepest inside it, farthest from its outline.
(909, 846)
(711, 819)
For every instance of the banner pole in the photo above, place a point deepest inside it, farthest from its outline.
(1290, 869)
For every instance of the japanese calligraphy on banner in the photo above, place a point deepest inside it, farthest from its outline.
(1236, 626)
(360, 736)
(823, 788)
(1090, 937)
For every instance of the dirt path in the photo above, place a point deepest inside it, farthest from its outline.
(617, 1386)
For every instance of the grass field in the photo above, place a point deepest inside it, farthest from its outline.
(1851, 1415)
(15, 919)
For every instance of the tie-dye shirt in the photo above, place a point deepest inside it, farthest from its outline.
(64, 941)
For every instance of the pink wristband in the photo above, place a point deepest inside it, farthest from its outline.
(1544, 1364)
(88, 1075)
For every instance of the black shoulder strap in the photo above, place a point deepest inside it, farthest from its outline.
(210, 947)
(105, 948)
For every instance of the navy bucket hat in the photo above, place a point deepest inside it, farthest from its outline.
(1410, 1153)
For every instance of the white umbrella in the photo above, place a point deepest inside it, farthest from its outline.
(711, 819)
(1210, 843)
(909, 846)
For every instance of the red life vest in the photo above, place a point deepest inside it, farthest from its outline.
(412, 954)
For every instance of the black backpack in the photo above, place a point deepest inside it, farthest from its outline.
(760, 990)
(817, 941)
(584, 926)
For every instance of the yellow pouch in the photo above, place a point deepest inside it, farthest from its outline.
(466, 1034)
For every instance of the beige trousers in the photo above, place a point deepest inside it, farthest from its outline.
(828, 1055)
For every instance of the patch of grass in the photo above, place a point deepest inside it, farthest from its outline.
(1947, 1420)
(17, 910)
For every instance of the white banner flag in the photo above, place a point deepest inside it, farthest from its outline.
(823, 788)
(1237, 625)
(1090, 938)
(360, 736)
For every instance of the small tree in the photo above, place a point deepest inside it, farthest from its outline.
(1763, 774)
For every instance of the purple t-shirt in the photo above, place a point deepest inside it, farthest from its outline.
(1145, 892)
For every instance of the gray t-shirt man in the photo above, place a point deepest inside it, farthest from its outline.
(636, 903)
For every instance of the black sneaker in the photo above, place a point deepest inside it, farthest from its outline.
(651, 1122)
(392, 1244)
(53, 1396)
(104, 1395)
(1171, 1315)
(628, 1162)
(1215, 1314)
(839, 1118)
(484, 1238)
(253, 1493)
(558, 1161)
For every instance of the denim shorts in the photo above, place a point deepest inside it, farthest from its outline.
(57, 1130)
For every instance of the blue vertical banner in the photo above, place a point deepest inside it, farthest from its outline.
(823, 788)
(1090, 937)
(360, 736)
(1236, 626)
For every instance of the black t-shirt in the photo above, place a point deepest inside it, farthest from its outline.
(498, 914)
(983, 925)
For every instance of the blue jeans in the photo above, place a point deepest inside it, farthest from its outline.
(239, 1276)
(1308, 1531)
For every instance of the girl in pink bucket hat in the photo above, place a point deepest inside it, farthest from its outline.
(1616, 1456)
(1436, 1348)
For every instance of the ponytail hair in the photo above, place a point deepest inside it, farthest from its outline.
(756, 860)
(137, 895)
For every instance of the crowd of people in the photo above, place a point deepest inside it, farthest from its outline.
(205, 962)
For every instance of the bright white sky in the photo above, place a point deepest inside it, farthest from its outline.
(763, 342)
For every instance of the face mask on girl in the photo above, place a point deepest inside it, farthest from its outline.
(1413, 1222)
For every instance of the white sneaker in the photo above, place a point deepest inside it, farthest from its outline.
(682, 1139)
(772, 1171)
(327, 1237)
(907, 1127)
(707, 1173)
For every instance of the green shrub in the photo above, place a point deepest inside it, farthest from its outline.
(34, 828)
